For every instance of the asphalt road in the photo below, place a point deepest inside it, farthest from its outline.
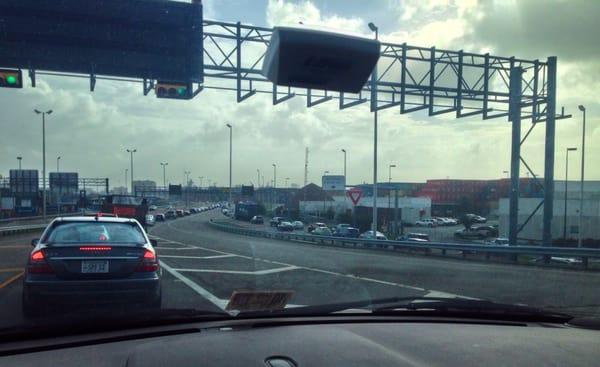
(203, 266)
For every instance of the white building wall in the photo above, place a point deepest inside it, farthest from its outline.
(533, 229)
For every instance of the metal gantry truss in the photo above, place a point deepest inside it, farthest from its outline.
(413, 79)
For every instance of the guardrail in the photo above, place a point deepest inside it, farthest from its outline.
(6, 222)
(6, 231)
(548, 255)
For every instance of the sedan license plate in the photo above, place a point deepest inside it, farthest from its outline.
(94, 266)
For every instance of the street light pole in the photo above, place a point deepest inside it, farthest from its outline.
(230, 157)
(43, 158)
(286, 181)
(126, 173)
(59, 185)
(344, 151)
(131, 153)
(274, 185)
(164, 167)
(580, 229)
(566, 183)
(390, 185)
(374, 28)
(258, 174)
(19, 158)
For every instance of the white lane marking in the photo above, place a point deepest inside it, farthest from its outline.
(316, 270)
(197, 257)
(240, 272)
(440, 294)
(194, 286)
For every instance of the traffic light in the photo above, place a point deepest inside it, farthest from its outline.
(173, 90)
(11, 78)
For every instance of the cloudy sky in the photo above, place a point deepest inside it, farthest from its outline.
(91, 131)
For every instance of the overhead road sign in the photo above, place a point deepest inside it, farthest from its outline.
(308, 58)
(160, 40)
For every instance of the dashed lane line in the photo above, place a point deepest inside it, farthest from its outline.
(197, 257)
(239, 272)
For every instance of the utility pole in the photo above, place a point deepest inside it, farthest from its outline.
(230, 158)
(164, 167)
(43, 158)
(580, 229)
(345, 180)
(126, 173)
(59, 185)
(374, 28)
(131, 151)
(306, 166)
(566, 193)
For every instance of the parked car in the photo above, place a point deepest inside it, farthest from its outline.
(476, 218)
(426, 223)
(414, 237)
(298, 224)
(348, 232)
(321, 231)
(469, 234)
(152, 207)
(489, 231)
(193, 211)
(285, 227)
(170, 214)
(159, 217)
(313, 226)
(275, 221)
(500, 241)
(372, 235)
(257, 219)
(179, 212)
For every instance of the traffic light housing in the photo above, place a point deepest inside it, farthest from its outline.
(173, 90)
(11, 78)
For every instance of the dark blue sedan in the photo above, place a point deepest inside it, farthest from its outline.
(91, 261)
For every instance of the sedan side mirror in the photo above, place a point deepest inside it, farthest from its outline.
(34, 242)
(154, 242)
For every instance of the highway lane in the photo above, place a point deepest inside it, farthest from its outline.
(325, 275)
(203, 266)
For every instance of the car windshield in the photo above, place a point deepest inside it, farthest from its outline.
(94, 232)
(440, 151)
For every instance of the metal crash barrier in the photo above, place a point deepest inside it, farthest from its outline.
(575, 257)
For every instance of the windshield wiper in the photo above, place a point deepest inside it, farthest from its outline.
(428, 306)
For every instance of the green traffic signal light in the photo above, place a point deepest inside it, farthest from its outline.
(181, 91)
(11, 79)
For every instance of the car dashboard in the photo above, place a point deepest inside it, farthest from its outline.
(317, 342)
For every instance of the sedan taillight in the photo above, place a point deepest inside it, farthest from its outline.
(37, 264)
(148, 263)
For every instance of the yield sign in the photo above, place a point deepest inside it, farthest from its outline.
(354, 194)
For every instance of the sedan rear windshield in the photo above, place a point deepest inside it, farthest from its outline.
(95, 232)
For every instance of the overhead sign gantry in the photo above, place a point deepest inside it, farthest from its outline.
(190, 54)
